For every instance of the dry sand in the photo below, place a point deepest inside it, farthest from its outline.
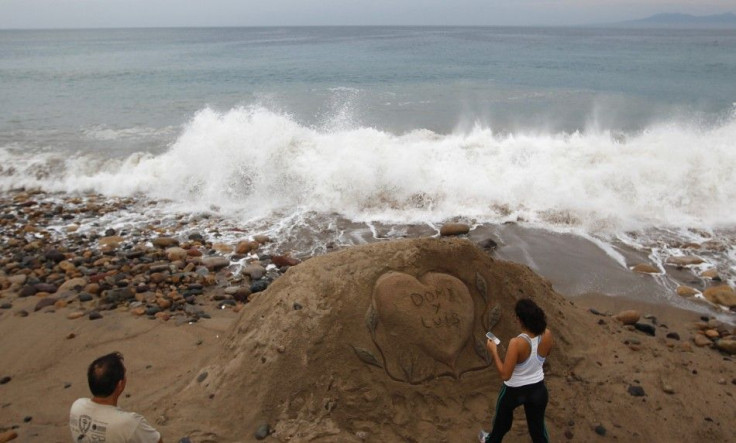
(321, 356)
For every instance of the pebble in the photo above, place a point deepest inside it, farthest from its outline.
(644, 268)
(262, 432)
(726, 345)
(636, 391)
(201, 377)
(701, 340)
(722, 295)
(686, 291)
(600, 430)
(6, 306)
(284, 260)
(685, 260)
(95, 315)
(5, 380)
(673, 335)
(165, 242)
(215, 263)
(645, 328)
(629, 317)
(44, 302)
(454, 229)
(74, 315)
(258, 286)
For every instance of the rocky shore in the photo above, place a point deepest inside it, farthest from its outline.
(184, 302)
(150, 270)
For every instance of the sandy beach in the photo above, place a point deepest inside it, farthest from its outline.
(218, 350)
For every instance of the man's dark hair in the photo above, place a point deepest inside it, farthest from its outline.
(532, 316)
(104, 374)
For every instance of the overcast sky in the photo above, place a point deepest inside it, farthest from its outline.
(155, 13)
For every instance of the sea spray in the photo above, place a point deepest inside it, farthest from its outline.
(254, 161)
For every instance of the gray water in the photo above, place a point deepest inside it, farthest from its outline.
(57, 86)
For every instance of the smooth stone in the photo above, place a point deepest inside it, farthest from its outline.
(255, 272)
(66, 266)
(644, 268)
(5, 380)
(112, 241)
(628, 317)
(6, 306)
(454, 229)
(176, 253)
(196, 236)
(258, 286)
(27, 291)
(686, 291)
(636, 391)
(54, 255)
(685, 260)
(284, 260)
(673, 335)
(645, 328)
(45, 287)
(95, 315)
(726, 345)
(215, 263)
(226, 303)
(75, 284)
(165, 242)
(246, 246)
(722, 295)
(242, 294)
(83, 297)
(21, 313)
(18, 279)
(201, 377)
(118, 296)
(712, 333)
(223, 248)
(262, 432)
(600, 430)
(701, 340)
(44, 302)
(134, 254)
(75, 315)
(710, 273)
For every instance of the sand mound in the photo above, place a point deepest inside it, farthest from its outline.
(381, 342)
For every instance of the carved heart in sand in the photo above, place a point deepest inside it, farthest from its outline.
(434, 313)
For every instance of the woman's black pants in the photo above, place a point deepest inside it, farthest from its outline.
(534, 398)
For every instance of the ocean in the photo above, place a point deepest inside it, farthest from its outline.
(624, 139)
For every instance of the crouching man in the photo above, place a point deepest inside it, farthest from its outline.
(99, 418)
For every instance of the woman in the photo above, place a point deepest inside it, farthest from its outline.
(522, 374)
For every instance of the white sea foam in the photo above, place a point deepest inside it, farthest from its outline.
(253, 161)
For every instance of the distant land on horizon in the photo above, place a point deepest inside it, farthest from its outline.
(726, 20)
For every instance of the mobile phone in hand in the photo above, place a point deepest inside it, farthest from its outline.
(493, 338)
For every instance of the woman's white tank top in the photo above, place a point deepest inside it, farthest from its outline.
(530, 370)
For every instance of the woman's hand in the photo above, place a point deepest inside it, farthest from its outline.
(491, 346)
